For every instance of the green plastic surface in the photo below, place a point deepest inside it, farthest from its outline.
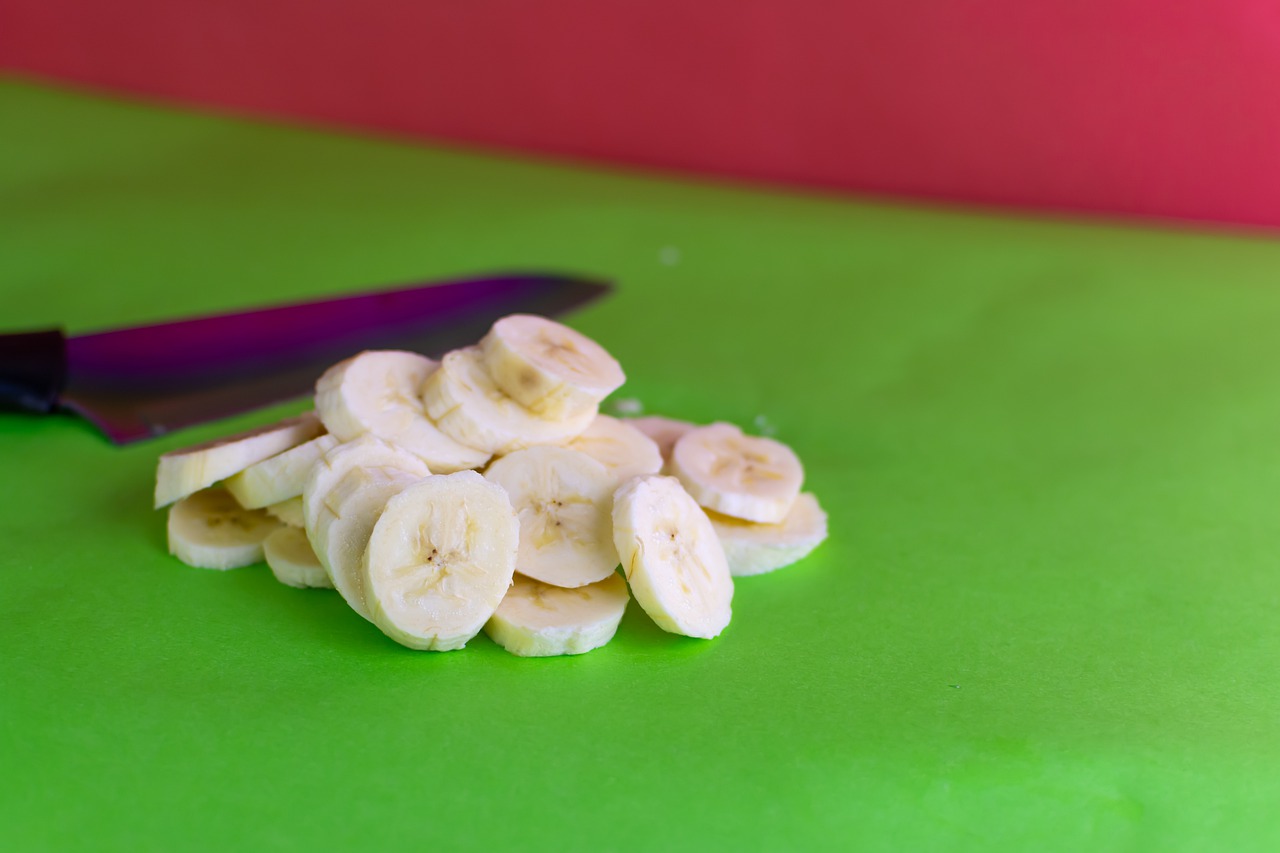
(1046, 617)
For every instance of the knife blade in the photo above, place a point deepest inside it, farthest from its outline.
(146, 381)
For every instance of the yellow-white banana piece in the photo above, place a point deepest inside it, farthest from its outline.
(363, 452)
(465, 404)
(209, 530)
(280, 477)
(187, 471)
(744, 476)
(548, 368)
(377, 392)
(664, 431)
(753, 548)
(671, 557)
(288, 511)
(620, 447)
(440, 560)
(539, 620)
(292, 560)
(564, 500)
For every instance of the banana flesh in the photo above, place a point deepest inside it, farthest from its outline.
(753, 548)
(620, 447)
(289, 512)
(540, 620)
(291, 559)
(363, 452)
(279, 477)
(743, 476)
(671, 557)
(440, 559)
(209, 530)
(665, 432)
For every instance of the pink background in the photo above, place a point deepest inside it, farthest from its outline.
(1154, 107)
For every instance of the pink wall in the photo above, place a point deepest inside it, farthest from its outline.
(1152, 107)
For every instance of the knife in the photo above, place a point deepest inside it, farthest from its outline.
(149, 380)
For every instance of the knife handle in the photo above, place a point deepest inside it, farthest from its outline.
(33, 369)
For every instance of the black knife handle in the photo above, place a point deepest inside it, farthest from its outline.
(33, 369)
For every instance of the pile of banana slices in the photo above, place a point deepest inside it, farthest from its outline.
(487, 492)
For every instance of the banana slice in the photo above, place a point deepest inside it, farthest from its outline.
(440, 559)
(280, 477)
(753, 548)
(377, 392)
(743, 476)
(563, 499)
(288, 511)
(363, 452)
(293, 561)
(349, 511)
(622, 448)
(187, 471)
(548, 368)
(664, 431)
(539, 620)
(465, 404)
(209, 530)
(671, 557)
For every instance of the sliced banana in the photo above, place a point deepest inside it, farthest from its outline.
(743, 476)
(549, 368)
(465, 404)
(343, 525)
(288, 511)
(184, 472)
(377, 392)
(563, 499)
(440, 559)
(539, 620)
(363, 452)
(209, 530)
(622, 448)
(292, 560)
(753, 548)
(664, 431)
(671, 557)
(280, 477)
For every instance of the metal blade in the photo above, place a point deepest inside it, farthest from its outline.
(146, 381)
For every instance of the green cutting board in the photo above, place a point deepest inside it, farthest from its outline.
(1045, 618)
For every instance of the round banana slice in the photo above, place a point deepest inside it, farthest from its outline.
(539, 620)
(288, 511)
(753, 548)
(363, 452)
(345, 521)
(440, 559)
(671, 557)
(664, 431)
(292, 561)
(549, 368)
(563, 499)
(743, 476)
(465, 404)
(187, 471)
(622, 448)
(376, 392)
(280, 477)
(209, 530)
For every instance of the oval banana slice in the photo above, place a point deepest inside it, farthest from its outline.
(563, 499)
(540, 620)
(665, 432)
(671, 557)
(377, 392)
(187, 471)
(363, 452)
(548, 368)
(753, 548)
(440, 560)
(743, 476)
(292, 560)
(620, 447)
(209, 530)
(465, 404)
(280, 477)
